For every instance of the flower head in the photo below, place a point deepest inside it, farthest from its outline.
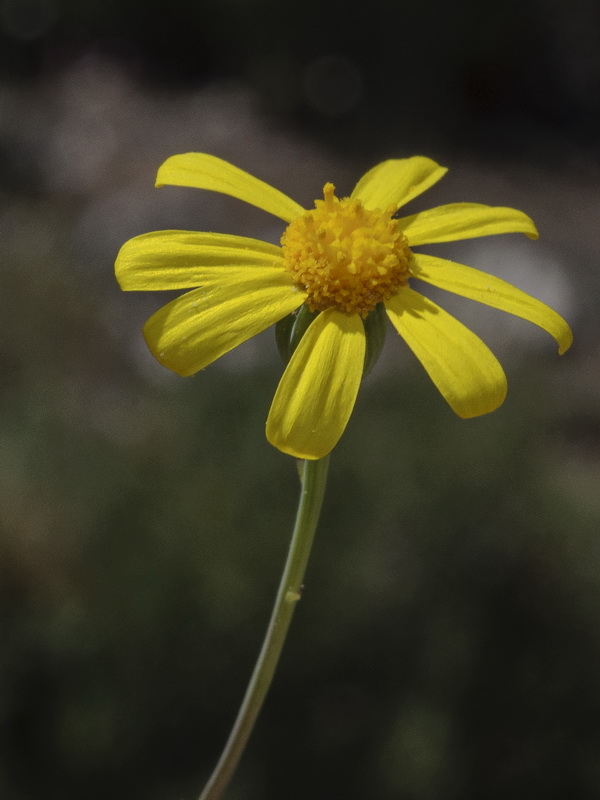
(343, 258)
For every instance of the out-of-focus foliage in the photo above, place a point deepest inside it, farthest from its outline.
(446, 645)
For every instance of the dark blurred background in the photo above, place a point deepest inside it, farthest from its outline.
(447, 646)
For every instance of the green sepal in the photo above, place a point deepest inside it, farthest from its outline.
(375, 330)
(283, 332)
(290, 329)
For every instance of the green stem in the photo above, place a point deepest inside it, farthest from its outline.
(314, 477)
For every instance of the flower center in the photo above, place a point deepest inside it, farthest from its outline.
(344, 255)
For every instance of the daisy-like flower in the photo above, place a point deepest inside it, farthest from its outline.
(342, 259)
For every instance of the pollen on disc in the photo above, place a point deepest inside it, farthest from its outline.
(346, 256)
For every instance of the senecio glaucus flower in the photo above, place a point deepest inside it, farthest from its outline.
(347, 259)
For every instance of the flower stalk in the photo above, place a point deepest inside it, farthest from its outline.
(313, 475)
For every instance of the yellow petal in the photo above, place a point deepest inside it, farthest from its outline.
(465, 371)
(395, 182)
(202, 171)
(484, 288)
(317, 391)
(185, 259)
(192, 331)
(464, 221)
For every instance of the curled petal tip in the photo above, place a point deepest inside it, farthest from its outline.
(565, 341)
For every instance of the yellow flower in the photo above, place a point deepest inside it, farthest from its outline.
(341, 258)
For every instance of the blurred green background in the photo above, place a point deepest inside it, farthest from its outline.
(447, 646)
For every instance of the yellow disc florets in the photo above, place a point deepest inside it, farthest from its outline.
(344, 255)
